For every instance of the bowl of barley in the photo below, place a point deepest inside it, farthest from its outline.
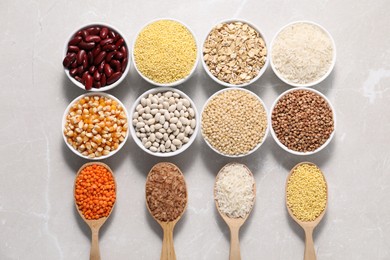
(95, 125)
(234, 122)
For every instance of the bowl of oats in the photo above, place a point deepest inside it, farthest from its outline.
(234, 53)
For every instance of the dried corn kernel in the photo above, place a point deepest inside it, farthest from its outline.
(91, 132)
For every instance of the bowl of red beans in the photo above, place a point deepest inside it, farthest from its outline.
(96, 57)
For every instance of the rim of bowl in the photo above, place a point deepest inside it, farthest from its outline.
(107, 87)
(175, 83)
(285, 147)
(262, 70)
(67, 111)
(316, 81)
(192, 137)
(266, 130)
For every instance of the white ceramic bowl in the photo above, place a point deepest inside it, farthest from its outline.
(262, 70)
(175, 83)
(184, 146)
(265, 134)
(107, 87)
(310, 84)
(285, 147)
(67, 111)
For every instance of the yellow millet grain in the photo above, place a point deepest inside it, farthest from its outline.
(234, 122)
(306, 192)
(165, 51)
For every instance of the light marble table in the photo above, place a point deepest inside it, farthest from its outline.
(38, 219)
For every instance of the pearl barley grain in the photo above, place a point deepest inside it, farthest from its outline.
(234, 122)
(174, 126)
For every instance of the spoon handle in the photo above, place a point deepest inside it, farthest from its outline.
(234, 243)
(95, 252)
(310, 253)
(168, 250)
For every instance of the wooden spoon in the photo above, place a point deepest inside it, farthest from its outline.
(308, 226)
(168, 250)
(234, 224)
(94, 225)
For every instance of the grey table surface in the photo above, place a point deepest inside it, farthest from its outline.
(38, 219)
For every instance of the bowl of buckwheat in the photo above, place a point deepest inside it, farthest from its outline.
(234, 53)
(303, 121)
(95, 126)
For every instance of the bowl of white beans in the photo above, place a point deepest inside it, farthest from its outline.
(164, 121)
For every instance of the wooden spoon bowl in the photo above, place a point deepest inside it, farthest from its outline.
(234, 224)
(168, 249)
(308, 226)
(94, 224)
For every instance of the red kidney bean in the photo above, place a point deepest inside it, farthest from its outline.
(73, 72)
(84, 77)
(97, 84)
(114, 77)
(101, 66)
(69, 59)
(74, 64)
(119, 55)
(116, 65)
(85, 63)
(100, 57)
(110, 55)
(80, 56)
(103, 80)
(78, 78)
(72, 48)
(80, 71)
(96, 76)
(123, 50)
(92, 69)
(88, 82)
(84, 34)
(104, 32)
(119, 43)
(109, 47)
(92, 38)
(124, 64)
(76, 40)
(108, 70)
(96, 51)
(93, 30)
(90, 57)
(87, 45)
(106, 41)
(112, 34)
(78, 33)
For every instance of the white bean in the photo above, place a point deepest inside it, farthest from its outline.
(172, 108)
(186, 102)
(159, 135)
(143, 101)
(193, 123)
(173, 127)
(173, 120)
(153, 149)
(148, 144)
